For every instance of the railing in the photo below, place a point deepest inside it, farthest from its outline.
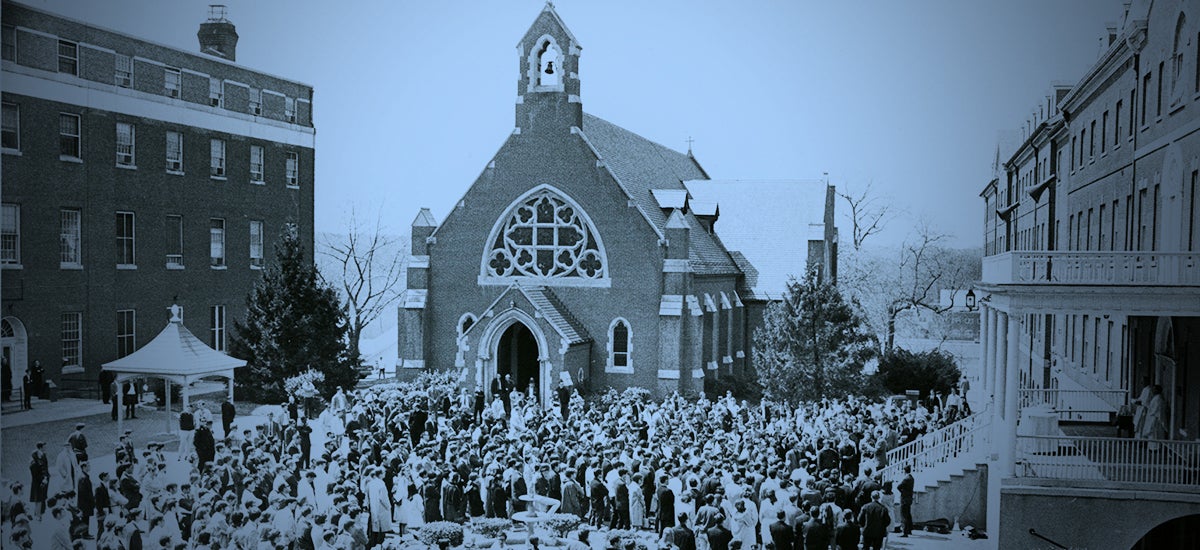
(1093, 268)
(1075, 405)
(1109, 459)
(958, 439)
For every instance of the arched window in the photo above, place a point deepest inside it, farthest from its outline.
(1177, 59)
(6, 329)
(549, 64)
(619, 347)
(545, 235)
(464, 323)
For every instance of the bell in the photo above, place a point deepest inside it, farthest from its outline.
(549, 67)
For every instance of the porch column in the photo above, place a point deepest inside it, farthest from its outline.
(1000, 362)
(1009, 443)
(994, 344)
(985, 363)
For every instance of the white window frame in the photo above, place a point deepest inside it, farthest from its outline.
(72, 341)
(174, 165)
(72, 58)
(10, 232)
(256, 244)
(293, 169)
(174, 261)
(216, 92)
(123, 71)
(172, 81)
(289, 109)
(15, 130)
(216, 318)
(256, 101)
(124, 262)
(610, 363)
(126, 341)
(216, 243)
(256, 164)
(216, 166)
(126, 150)
(77, 136)
(70, 249)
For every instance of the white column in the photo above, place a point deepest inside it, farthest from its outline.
(231, 387)
(167, 391)
(1009, 445)
(985, 364)
(1001, 362)
(184, 390)
(994, 355)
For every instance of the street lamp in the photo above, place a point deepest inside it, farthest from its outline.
(970, 299)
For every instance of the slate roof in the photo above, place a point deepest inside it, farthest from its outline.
(643, 166)
(555, 313)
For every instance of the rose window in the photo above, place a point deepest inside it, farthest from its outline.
(545, 236)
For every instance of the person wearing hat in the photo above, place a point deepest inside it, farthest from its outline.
(39, 484)
(79, 443)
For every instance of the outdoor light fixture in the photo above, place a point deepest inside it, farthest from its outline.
(970, 299)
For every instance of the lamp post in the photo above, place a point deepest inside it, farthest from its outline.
(970, 299)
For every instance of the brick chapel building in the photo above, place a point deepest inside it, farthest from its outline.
(585, 251)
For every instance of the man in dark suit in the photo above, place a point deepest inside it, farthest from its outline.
(228, 412)
(27, 391)
(620, 519)
(664, 517)
(719, 537)
(39, 472)
(681, 536)
(599, 495)
(206, 446)
(817, 535)
(781, 532)
(906, 501)
(874, 518)
(102, 501)
(85, 496)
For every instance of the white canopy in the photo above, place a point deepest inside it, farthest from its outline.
(175, 355)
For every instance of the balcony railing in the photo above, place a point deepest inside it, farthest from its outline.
(962, 438)
(1109, 459)
(1075, 405)
(1093, 268)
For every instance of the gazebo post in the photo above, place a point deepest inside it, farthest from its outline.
(120, 407)
(231, 387)
(167, 390)
(185, 387)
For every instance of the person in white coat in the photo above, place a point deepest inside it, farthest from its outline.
(379, 506)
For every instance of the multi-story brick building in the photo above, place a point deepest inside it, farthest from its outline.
(585, 249)
(1091, 298)
(137, 175)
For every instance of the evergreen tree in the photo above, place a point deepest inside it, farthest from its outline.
(811, 344)
(294, 322)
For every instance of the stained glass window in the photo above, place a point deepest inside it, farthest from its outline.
(545, 236)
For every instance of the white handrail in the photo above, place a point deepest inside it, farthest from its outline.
(938, 447)
(1110, 459)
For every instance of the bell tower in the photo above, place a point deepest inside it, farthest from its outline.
(548, 87)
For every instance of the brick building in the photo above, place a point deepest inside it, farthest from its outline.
(137, 175)
(584, 249)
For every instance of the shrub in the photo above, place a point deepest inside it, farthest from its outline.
(490, 527)
(431, 533)
(902, 370)
(563, 523)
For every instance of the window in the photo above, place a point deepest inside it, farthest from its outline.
(68, 136)
(216, 96)
(1145, 93)
(126, 332)
(543, 235)
(1177, 60)
(174, 232)
(171, 81)
(72, 338)
(255, 101)
(125, 143)
(1192, 211)
(124, 71)
(10, 234)
(1158, 96)
(1133, 109)
(68, 57)
(256, 243)
(289, 109)
(1082, 146)
(256, 164)
(1092, 142)
(549, 64)
(465, 323)
(216, 242)
(70, 238)
(1073, 141)
(217, 166)
(125, 239)
(216, 319)
(8, 43)
(174, 152)
(10, 128)
(1117, 127)
(1100, 229)
(618, 346)
(293, 170)
(1104, 133)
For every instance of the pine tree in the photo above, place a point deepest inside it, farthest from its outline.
(294, 322)
(811, 344)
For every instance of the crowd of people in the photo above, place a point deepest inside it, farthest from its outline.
(389, 459)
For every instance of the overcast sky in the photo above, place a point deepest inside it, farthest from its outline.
(413, 98)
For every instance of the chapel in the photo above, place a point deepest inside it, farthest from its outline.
(586, 254)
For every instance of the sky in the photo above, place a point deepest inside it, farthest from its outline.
(412, 99)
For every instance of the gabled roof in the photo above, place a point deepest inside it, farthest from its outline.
(644, 168)
(175, 352)
(548, 10)
(766, 224)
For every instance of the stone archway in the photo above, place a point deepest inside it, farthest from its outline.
(517, 336)
(14, 341)
(1175, 533)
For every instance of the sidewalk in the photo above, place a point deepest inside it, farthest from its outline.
(47, 411)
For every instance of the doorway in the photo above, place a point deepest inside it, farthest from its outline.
(14, 345)
(517, 355)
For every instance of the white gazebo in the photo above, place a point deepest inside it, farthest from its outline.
(176, 356)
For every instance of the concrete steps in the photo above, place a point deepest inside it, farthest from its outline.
(955, 490)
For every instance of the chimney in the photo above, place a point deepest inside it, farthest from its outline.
(217, 35)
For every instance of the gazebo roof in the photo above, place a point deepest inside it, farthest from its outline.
(177, 353)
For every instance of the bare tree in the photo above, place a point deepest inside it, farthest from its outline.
(869, 214)
(368, 266)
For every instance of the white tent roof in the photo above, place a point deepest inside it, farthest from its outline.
(176, 353)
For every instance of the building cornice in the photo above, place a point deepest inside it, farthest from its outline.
(1092, 82)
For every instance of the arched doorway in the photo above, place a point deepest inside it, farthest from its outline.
(14, 347)
(517, 355)
(1177, 533)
